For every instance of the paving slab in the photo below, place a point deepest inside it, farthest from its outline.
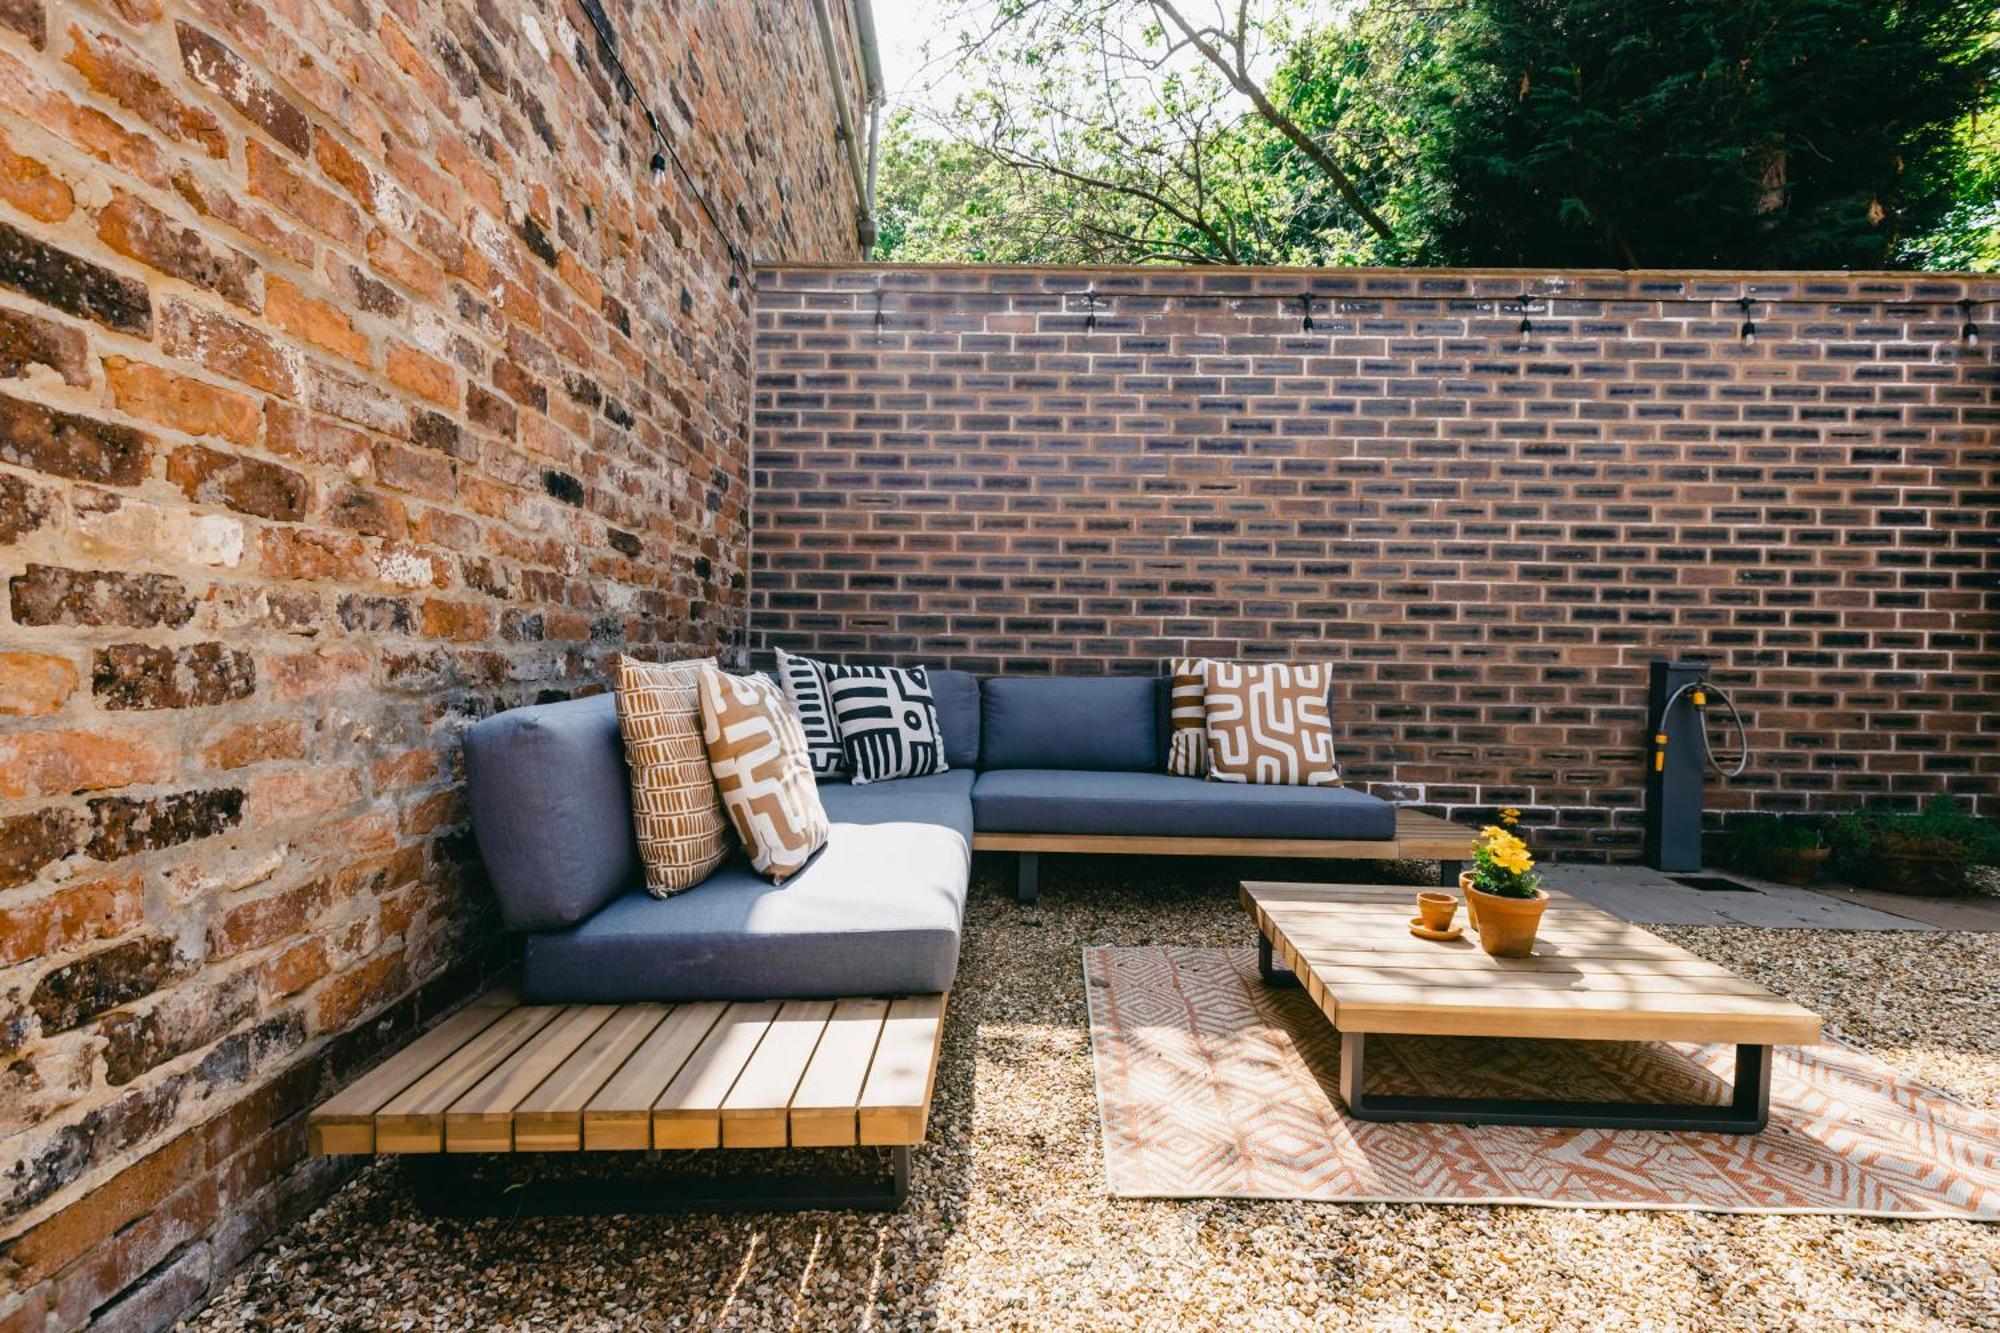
(1652, 897)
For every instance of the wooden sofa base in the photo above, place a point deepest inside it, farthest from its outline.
(502, 1077)
(1419, 837)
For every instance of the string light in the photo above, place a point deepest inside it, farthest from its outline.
(1090, 307)
(1970, 333)
(1527, 325)
(1749, 330)
(1306, 309)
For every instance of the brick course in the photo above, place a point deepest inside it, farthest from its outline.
(1488, 533)
(357, 379)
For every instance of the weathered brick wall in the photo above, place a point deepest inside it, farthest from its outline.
(1488, 534)
(357, 379)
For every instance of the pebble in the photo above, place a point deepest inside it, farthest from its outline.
(1009, 1225)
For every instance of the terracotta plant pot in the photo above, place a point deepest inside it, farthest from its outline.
(1797, 868)
(1471, 908)
(1507, 925)
(1437, 909)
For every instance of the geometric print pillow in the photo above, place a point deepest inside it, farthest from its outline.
(682, 832)
(1187, 745)
(888, 721)
(1267, 723)
(757, 752)
(806, 688)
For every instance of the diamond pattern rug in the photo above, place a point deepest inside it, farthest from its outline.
(1212, 1085)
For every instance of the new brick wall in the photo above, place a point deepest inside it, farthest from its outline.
(1489, 534)
(357, 379)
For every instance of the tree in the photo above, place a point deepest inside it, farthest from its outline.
(1760, 133)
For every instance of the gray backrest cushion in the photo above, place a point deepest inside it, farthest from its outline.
(1102, 723)
(956, 694)
(551, 806)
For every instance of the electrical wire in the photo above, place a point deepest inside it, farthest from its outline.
(607, 40)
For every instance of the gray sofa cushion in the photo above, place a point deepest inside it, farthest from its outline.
(944, 799)
(1160, 805)
(551, 804)
(957, 696)
(1100, 723)
(876, 913)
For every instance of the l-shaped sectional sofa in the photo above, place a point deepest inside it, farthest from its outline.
(1036, 763)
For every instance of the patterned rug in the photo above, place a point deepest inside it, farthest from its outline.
(1211, 1084)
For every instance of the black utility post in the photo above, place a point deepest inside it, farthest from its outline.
(1673, 778)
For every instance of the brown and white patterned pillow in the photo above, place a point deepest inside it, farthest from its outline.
(757, 751)
(1187, 742)
(1268, 723)
(683, 834)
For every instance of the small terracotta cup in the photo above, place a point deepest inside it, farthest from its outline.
(1437, 909)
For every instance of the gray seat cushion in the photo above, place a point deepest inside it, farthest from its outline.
(876, 913)
(938, 798)
(551, 804)
(1161, 805)
(956, 694)
(1102, 723)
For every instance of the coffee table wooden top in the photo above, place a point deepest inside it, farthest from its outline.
(1592, 976)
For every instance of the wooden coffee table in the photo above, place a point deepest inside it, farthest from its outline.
(1592, 978)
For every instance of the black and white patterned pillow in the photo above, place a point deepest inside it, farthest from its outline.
(805, 686)
(888, 721)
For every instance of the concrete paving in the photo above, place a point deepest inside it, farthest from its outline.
(1648, 896)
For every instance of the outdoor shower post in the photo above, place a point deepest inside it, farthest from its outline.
(1673, 777)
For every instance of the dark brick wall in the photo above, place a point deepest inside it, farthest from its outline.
(1488, 533)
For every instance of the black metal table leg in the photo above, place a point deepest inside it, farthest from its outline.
(1448, 873)
(1748, 1111)
(445, 1187)
(1268, 968)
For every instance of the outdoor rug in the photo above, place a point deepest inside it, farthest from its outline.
(1212, 1085)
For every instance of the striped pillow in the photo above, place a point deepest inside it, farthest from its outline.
(888, 721)
(1187, 743)
(805, 686)
(757, 751)
(681, 830)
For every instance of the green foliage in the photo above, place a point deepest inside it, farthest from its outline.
(1764, 843)
(1942, 825)
(1701, 133)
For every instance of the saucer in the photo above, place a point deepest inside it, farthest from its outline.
(1424, 932)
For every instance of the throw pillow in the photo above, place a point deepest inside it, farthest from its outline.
(1268, 723)
(805, 686)
(757, 751)
(1187, 743)
(888, 721)
(682, 832)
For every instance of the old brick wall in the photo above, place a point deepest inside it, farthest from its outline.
(357, 379)
(1489, 533)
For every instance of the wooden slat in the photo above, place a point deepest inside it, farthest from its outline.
(896, 1100)
(757, 1110)
(345, 1122)
(688, 1113)
(825, 1109)
(550, 1119)
(413, 1120)
(482, 1119)
(620, 1115)
(1419, 837)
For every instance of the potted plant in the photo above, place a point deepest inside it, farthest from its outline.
(1930, 851)
(1503, 895)
(1790, 851)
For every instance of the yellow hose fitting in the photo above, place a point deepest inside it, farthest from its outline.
(1700, 698)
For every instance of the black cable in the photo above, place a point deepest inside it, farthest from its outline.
(608, 40)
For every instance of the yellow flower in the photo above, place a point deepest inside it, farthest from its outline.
(1510, 816)
(1517, 861)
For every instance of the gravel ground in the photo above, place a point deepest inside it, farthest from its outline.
(1009, 1226)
